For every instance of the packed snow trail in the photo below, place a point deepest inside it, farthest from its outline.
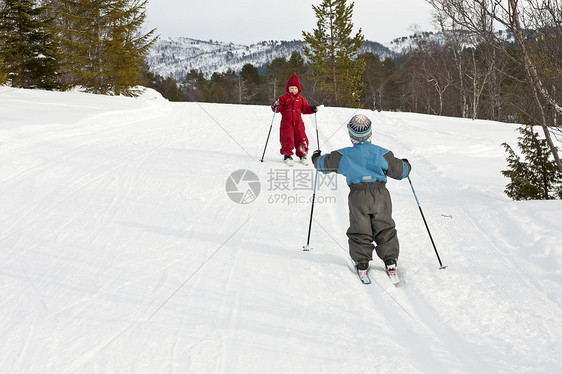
(121, 251)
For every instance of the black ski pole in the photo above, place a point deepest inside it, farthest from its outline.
(427, 227)
(307, 246)
(268, 134)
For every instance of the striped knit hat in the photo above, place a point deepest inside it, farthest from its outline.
(359, 128)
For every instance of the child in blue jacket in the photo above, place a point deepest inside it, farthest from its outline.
(366, 167)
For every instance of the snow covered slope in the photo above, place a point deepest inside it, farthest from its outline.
(122, 252)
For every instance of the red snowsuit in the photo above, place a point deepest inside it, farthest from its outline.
(292, 132)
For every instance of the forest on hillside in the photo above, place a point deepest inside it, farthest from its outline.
(470, 80)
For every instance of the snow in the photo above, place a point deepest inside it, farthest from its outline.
(121, 251)
(177, 56)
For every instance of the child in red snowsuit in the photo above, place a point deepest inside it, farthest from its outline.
(292, 133)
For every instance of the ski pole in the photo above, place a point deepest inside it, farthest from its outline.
(307, 246)
(425, 222)
(317, 137)
(268, 134)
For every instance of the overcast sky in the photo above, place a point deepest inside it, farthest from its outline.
(252, 21)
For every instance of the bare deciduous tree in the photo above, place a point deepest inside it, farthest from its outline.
(540, 16)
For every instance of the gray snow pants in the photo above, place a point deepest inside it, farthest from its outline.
(370, 219)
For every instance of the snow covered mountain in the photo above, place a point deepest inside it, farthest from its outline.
(175, 57)
(125, 246)
(408, 43)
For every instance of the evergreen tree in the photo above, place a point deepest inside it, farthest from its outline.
(167, 87)
(28, 55)
(104, 46)
(391, 98)
(3, 76)
(128, 47)
(170, 90)
(250, 74)
(333, 53)
(223, 87)
(196, 86)
(536, 178)
(296, 64)
(373, 80)
(380, 79)
(251, 80)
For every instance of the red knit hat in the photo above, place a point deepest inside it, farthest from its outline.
(293, 81)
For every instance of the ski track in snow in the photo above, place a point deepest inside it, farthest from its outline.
(120, 250)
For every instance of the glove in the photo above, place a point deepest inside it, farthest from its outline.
(315, 155)
(408, 164)
(314, 108)
(276, 103)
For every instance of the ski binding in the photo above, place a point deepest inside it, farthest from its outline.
(289, 161)
(393, 275)
(363, 276)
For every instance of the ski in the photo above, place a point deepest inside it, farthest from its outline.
(393, 275)
(363, 276)
(289, 162)
(366, 279)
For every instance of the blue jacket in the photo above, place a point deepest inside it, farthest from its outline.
(363, 163)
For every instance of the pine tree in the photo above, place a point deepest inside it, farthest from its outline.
(536, 178)
(296, 64)
(3, 76)
(103, 43)
(251, 80)
(195, 86)
(223, 87)
(373, 81)
(333, 53)
(128, 47)
(28, 56)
